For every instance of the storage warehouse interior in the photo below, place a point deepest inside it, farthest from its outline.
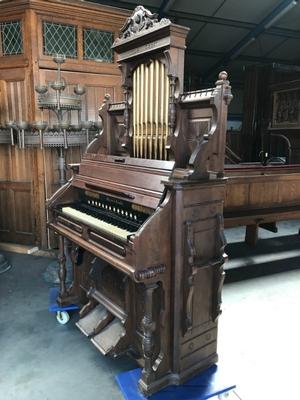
(149, 199)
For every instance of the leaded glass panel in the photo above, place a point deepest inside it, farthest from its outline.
(97, 45)
(59, 39)
(11, 38)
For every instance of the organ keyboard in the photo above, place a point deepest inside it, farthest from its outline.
(143, 213)
(106, 215)
(97, 222)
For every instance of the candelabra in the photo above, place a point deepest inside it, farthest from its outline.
(61, 104)
(62, 134)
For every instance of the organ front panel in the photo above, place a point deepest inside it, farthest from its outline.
(143, 213)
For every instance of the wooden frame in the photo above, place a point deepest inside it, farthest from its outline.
(286, 109)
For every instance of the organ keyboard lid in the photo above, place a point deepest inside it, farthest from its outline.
(140, 182)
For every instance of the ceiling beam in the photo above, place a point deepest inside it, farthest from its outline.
(232, 23)
(283, 7)
(178, 15)
(165, 7)
(252, 59)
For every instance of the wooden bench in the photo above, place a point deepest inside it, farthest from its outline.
(259, 196)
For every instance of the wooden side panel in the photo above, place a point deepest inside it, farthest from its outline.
(14, 97)
(289, 191)
(16, 199)
(16, 210)
(4, 212)
(5, 164)
(97, 86)
(22, 204)
(199, 122)
(262, 191)
(237, 195)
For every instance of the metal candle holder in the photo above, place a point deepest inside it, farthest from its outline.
(63, 133)
(62, 105)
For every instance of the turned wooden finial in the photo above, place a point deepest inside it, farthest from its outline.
(223, 76)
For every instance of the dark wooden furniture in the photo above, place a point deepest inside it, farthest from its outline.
(30, 32)
(144, 213)
(271, 107)
(258, 196)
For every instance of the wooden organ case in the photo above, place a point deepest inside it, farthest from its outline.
(144, 212)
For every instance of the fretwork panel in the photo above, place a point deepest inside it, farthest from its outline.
(150, 111)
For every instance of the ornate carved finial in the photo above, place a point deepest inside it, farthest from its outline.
(223, 81)
(141, 19)
(223, 76)
(105, 102)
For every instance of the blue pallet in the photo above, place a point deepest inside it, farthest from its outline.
(54, 307)
(206, 385)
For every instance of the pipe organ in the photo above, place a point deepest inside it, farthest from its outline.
(143, 213)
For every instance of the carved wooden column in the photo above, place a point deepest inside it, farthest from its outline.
(62, 272)
(219, 273)
(172, 105)
(148, 326)
(126, 139)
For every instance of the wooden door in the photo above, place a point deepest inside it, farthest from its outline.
(16, 196)
(17, 222)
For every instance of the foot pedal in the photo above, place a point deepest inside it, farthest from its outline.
(109, 337)
(88, 324)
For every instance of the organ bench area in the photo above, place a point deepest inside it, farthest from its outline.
(142, 216)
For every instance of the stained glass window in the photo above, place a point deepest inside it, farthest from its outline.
(97, 45)
(11, 38)
(59, 39)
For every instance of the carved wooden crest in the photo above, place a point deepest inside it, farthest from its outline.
(140, 20)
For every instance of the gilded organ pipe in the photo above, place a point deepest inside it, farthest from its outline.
(142, 105)
(134, 113)
(146, 111)
(151, 114)
(150, 111)
(156, 100)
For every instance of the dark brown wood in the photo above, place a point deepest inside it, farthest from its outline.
(62, 273)
(257, 195)
(160, 284)
(251, 234)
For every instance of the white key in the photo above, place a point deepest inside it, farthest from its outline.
(96, 223)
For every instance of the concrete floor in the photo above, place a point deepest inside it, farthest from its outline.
(258, 335)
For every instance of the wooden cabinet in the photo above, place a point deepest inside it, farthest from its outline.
(31, 30)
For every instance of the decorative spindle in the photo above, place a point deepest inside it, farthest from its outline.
(126, 118)
(172, 105)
